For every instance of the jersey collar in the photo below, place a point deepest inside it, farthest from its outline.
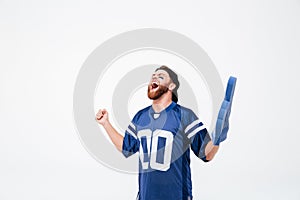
(164, 110)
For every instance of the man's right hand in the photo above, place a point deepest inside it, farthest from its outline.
(116, 138)
(102, 117)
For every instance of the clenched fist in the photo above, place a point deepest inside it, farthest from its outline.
(102, 117)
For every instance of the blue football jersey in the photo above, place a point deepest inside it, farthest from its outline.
(163, 141)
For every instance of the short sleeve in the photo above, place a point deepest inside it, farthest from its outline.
(130, 141)
(197, 135)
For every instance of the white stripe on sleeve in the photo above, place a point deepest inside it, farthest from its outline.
(132, 126)
(191, 125)
(196, 131)
(131, 133)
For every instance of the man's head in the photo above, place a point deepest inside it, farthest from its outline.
(162, 81)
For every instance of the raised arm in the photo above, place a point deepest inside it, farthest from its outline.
(116, 138)
(222, 125)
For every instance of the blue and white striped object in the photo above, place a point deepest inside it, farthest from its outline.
(222, 124)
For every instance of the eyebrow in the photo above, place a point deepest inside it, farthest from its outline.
(159, 74)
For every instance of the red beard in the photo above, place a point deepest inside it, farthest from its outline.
(158, 93)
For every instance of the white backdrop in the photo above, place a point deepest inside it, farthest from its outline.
(43, 45)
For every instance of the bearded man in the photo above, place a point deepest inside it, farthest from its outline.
(163, 134)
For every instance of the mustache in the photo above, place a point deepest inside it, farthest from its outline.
(158, 93)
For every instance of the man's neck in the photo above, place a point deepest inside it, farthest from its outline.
(160, 104)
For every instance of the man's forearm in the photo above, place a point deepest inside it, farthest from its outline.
(210, 150)
(115, 137)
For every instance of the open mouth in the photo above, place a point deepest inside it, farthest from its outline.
(154, 85)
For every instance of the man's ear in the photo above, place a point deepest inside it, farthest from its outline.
(172, 86)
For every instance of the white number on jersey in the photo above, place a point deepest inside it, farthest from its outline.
(150, 141)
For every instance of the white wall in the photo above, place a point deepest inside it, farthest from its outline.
(43, 45)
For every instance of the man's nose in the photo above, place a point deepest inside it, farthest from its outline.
(154, 78)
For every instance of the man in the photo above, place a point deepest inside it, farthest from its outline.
(163, 134)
